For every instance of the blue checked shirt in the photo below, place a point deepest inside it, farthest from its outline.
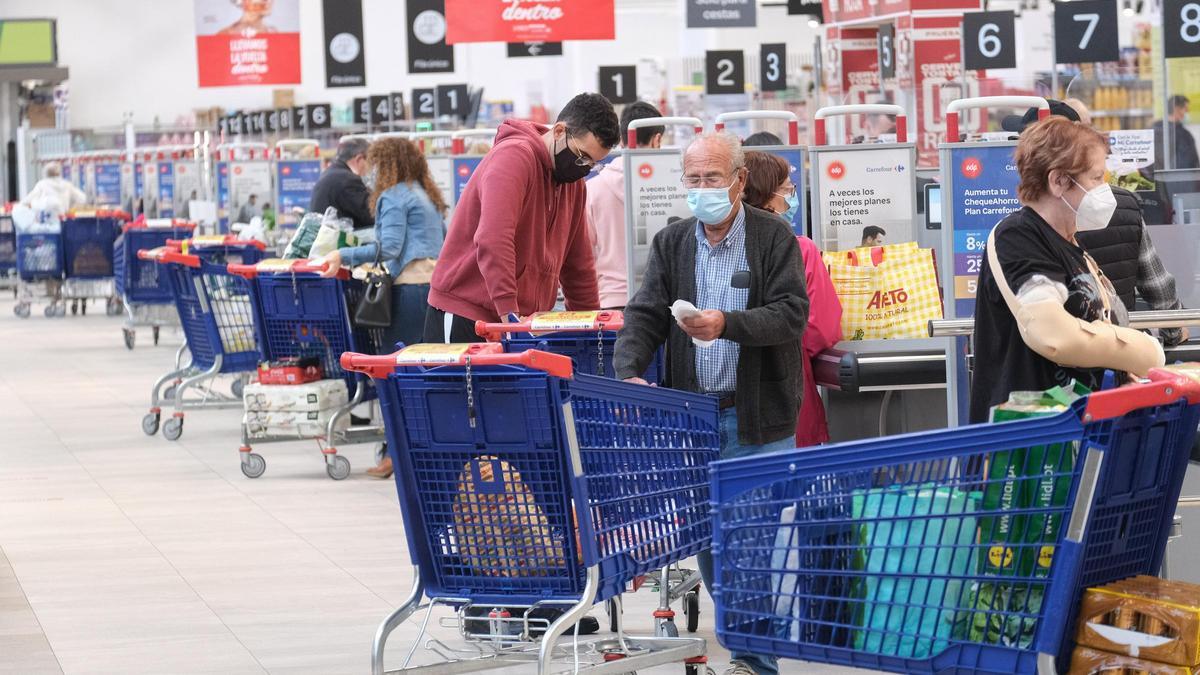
(716, 366)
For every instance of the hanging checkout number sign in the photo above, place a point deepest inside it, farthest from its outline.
(724, 72)
(989, 40)
(773, 67)
(618, 84)
(424, 104)
(1181, 28)
(887, 51)
(1085, 31)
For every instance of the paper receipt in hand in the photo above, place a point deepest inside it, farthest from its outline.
(682, 309)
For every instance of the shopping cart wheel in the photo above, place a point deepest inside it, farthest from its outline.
(150, 423)
(338, 467)
(112, 306)
(74, 307)
(51, 311)
(698, 669)
(667, 629)
(691, 610)
(253, 465)
(61, 310)
(237, 387)
(155, 335)
(21, 310)
(173, 428)
(611, 606)
(129, 337)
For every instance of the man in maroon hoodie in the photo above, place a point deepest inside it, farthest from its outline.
(519, 231)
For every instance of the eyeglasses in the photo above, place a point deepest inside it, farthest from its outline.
(789, 191)
(580, 158)
(709, 181)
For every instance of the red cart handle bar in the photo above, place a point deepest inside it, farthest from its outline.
(168, 254)
(1164, 387)
(279, 266)
(141, 225)
(612, 320)
(227, 240)
(480, 354)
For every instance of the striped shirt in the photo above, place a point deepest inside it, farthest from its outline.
(716, 366)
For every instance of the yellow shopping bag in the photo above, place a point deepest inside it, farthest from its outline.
(887, 291)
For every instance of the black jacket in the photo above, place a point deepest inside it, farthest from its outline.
(340, 188)
(1116, 247)
(770, 369)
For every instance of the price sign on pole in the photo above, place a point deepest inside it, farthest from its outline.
(773, 67)
(989, 40)
(887, 51)
(724, 72)
(424, 104)
(1085, 31)
(452, 99)
(618, 84)
(1181, 28)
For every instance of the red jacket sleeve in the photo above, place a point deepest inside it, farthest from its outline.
(578, 275)
(501, 193)
(824, 309)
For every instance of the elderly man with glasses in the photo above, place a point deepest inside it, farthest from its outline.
(519, 231)
(741, 268)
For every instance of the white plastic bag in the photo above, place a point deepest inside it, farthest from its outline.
(334, 233)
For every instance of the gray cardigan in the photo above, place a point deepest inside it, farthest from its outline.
(770, 369)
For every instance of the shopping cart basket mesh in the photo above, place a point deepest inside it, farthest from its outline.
(489, 503)
(926, 552)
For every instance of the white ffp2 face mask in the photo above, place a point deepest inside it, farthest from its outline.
(1096, 208)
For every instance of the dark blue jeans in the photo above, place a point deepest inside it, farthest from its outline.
(730, 449)
(409, 302)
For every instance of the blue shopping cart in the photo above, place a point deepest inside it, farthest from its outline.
(8, 245)
(526, 485)
(300, 314)
(218, 324)
(587, 337)
(144, 293)
(957, 551)
(87, 243)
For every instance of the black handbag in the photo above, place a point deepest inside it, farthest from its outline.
(375, 308)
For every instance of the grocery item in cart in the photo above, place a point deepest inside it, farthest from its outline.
(307, 397)
(1088, 661)
(290, 371)
(1145, 617)
(301, 424)
(306, 232)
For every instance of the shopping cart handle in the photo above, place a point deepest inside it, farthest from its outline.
(554, 322)
(142, 224)
(226, 240)
(1164, 387)
(282, 266)
(168, 254)
(478, 354)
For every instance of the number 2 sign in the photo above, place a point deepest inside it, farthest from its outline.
(1181, 28)
(725, 72)
(1085, 31)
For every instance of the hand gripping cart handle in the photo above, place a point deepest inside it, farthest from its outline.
(874, 108)
(955, 108)
(793, 123)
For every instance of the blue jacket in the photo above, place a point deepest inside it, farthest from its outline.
(407, 227)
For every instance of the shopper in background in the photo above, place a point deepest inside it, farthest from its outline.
(1184, 144)
(1045, 314)
(519, 231)
(872, 235)
(606, 210)
(268, 216)
(762, 138)
(54, 193)
(249, 210)
(741, 267)
(409, 213)
(342, 187)
(769, 187)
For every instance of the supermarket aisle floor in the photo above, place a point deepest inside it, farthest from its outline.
(131, 554)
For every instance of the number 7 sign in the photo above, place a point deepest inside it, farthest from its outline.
(1085, 31)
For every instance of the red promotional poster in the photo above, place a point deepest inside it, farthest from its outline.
(831, 65)
(938, 79)
(247, 42)
(860, 73)
(529, 20)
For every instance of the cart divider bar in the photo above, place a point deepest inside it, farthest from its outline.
(1083, 498)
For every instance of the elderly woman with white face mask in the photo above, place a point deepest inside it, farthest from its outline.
(1045, 313)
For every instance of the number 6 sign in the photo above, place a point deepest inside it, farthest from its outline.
(989, 40)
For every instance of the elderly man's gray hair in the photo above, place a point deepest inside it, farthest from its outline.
(351, 148)
(730, 141)
(52, 170)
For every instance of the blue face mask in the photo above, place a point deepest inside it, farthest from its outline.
(709, 205)
(793, 202)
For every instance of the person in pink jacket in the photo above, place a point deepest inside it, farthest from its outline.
(769, 187)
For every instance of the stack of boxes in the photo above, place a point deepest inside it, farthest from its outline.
(1139, 626)
(300, 410)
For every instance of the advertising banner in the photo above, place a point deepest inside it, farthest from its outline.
(296, 179)
(439, 171)
(529, 20)
(464, 168)
(345, 64)
(654, 195)
(938, 79)
(721, 13)
(860, 188)
(128, 186)
(223, 196)
(983, 190)
(1130, 150)
(88, 174)
(247, 179)
(860, 73)
(149, 190)
(108, 184)
(427, 48)
(247, 42)
(165, 189)
(187, 187)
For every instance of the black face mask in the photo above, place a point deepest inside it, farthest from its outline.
(565, 168)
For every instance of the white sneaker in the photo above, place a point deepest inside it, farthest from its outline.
(739, 668)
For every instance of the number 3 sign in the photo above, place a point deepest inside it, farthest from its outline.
(1181, 28)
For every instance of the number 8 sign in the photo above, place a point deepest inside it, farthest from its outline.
(1181, 28)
